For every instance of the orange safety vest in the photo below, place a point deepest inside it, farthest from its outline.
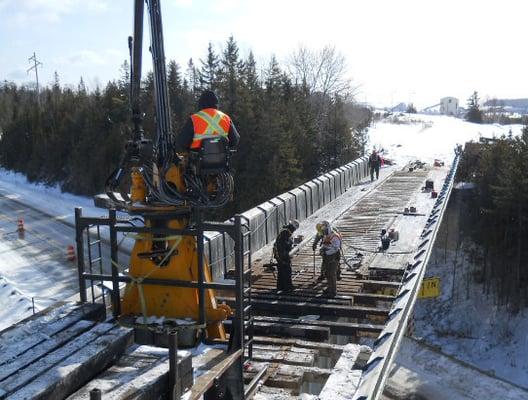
(209, 123)
(327, 239)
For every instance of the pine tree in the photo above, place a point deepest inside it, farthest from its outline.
(474, 114)
(193, 77)
(209, 71)
(229, 74)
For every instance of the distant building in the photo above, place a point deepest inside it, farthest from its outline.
(449, 106)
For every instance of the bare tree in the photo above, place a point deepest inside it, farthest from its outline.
(321, 71)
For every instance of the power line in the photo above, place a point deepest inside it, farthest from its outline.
(36, 64)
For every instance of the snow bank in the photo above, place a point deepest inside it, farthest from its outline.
(14, 305)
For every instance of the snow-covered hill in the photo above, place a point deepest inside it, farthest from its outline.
(428, 137)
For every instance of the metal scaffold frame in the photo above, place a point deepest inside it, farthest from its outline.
(241, 337)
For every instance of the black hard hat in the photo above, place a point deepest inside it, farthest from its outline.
(208, 99)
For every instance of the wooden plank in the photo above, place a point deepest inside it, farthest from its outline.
(27, 335)
(308, 332)
(72, 372)
(141, 373)
(285, 355)
(40, 367)
(56, 341)
(374, 286)
(324, 349)
(336, 327)
(355, 298)
(220, 365)
(294, 297)
(300, 308)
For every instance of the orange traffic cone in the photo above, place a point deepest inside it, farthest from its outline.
(70, 253)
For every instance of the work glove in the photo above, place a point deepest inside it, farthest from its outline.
(322, 251)
(314, 246)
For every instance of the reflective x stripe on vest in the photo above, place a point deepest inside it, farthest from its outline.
(213, 128)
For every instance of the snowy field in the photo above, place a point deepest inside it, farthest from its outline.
(409, 137)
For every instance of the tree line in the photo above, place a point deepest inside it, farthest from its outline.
(296, 121)
(499, 223)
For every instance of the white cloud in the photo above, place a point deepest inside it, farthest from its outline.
(27, 12)
(82, 57)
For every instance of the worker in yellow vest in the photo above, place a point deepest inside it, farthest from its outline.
(330, 251)
(207, 123)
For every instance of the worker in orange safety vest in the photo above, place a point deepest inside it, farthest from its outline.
(208, 122)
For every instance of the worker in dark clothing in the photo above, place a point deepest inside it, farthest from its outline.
(385, 240)
(281, 251)
(374, 165)
(207, 123)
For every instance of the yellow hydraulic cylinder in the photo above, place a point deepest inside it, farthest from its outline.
(138, 189)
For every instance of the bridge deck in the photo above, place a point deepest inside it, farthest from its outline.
(367, 287)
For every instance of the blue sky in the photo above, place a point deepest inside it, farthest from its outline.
(418, 50)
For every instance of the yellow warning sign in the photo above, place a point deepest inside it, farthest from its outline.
(430, 288)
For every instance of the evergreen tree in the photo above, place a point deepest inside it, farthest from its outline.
(474, 114)
(193, 77)
(209, 71)
(289, 133)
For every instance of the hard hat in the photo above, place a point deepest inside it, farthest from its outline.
(294, 223)
(323, 227)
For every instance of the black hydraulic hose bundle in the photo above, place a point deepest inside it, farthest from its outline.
(154, 160)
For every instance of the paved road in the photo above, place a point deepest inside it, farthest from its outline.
(36, 264)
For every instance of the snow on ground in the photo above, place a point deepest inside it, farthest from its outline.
(12, 299)
(421, 372)
(408, 137)
(48, 199)
(464, 323)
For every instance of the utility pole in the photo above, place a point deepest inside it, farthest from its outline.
(36, 64)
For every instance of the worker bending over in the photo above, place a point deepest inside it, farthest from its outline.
(331, 252)
(281, 251)
(207, 123)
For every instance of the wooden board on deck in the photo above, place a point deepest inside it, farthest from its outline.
(141, 373)
(25, 335)
(213, 364)
(336, 327)
(63, 371)
(303, 308)
(305, 331)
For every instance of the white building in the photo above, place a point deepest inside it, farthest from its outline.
(449, 106)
